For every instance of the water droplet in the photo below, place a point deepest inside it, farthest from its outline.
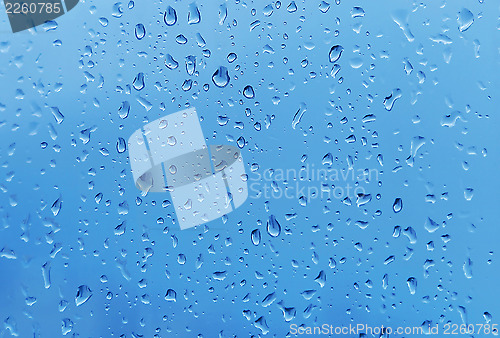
(465, 19)
(248, 92)
(261, 324)
(269, 299)
(82, 295)
(398, 205)
(324, 6)
(56, 207)
(273, 227)
(190, 64)
(124, 110)
(221, 77)
(468, 268)
(170, 62)
(171, 141)
(412, 285)
(391, 99)
(67, 326)
(321, 278)
(139, 82)
(292, 7)
(181, 39)
(430, 225)
(468, 193)
(193, 14)
(231, 57)
(327, 159)
(140, 31)
(170, 17)
(117, 10)
(268, 10)
(335, 53)
(121, 145)
(357, 12)
(171, 296)
(255, 236)
(57, 115)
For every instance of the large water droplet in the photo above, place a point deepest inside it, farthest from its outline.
(194, 16)
(465, 19)
(170, 17)
(221, 77)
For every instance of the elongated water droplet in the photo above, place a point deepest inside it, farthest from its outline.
(194, 16)
(57, 115)
(140, 31)
(121, 145)
(273, 227)
(269, 299)
(139, 82)
(124, 110)
(46, 275)
(190, 64)
(321, 278)
(468, 268)
(56, 207)
(255, 236)
(398, 205)
(412, 285)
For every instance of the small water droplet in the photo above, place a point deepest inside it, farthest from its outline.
(273, 227)
(83, 294)
(335, 53)
(248, 92)
(140, 31)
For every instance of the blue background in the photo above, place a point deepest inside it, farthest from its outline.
(85, 66)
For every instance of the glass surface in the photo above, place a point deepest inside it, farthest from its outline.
(368, 133)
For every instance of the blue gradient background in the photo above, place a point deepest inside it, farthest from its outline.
(44, 68)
